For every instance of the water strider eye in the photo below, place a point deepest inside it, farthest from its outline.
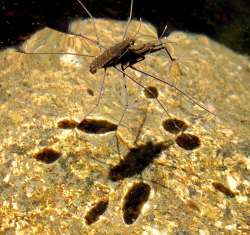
(92, 69)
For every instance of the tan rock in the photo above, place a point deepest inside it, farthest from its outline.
(54, 177)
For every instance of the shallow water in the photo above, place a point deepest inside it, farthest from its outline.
(61, 178)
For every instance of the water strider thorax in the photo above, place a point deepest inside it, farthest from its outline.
(111, 56)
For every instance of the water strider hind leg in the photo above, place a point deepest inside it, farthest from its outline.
(176, 88)
(124, 80)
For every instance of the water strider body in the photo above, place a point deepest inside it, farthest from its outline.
(111, 56)
(124, 53)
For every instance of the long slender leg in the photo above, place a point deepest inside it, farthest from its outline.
(124, 79)
(21, 50)
(99, 96)
(93, 21)
(174, 60)
(88, 39)
(53, 53)
(129, 19)
(145, 88)
(176, 88)
(165, 49)
(179, 90)
(171, 85)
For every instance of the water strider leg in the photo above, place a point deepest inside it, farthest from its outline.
(156, 99)
(176, 88)
(145, 88)
(93, 21)
(101, 91)
(124, 80)
(53, 53)
(129, 20)
(174, 60)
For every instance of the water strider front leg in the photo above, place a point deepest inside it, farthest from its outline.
(101, 91)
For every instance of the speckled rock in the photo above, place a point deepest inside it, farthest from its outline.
(61, 174)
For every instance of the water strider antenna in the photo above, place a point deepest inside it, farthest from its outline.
(129, 19)
(93, 21)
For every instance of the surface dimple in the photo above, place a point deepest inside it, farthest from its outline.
(94, 213)
(134, 200)
(93, 126)
(223, 189)
(90, 92)
(67, 124)
(151, 92)
(188, 141)
(47, 155)
(174, 125)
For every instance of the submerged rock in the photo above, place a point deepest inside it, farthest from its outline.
(37, 92)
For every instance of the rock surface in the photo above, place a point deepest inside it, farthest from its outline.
(95, 179)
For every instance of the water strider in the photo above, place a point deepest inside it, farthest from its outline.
(123, 55)
(126, 54)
